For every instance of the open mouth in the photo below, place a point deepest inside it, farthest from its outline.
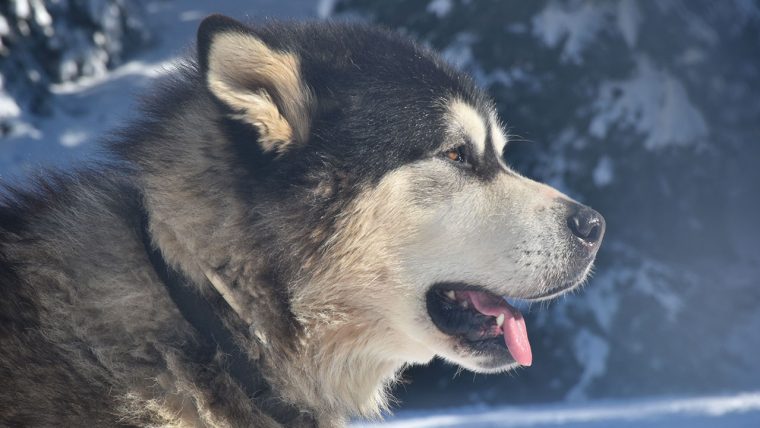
(483, 321)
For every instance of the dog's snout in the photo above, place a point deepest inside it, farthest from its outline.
(586, 224)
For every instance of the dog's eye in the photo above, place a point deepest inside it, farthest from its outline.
(457, 154)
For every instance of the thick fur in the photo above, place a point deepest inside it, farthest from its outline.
(293, 174)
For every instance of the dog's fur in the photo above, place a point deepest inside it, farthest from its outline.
(293, 175)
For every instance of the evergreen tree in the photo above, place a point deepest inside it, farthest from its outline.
(43, 42)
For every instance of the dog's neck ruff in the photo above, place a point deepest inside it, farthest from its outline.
(199, 312)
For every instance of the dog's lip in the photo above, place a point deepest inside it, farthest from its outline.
(529, 298)
(473, 315)
(551, 293)
(465, 286)
(556, 291)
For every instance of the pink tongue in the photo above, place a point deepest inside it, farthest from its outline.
(515, 332)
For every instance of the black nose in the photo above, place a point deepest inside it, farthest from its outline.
(586, 224)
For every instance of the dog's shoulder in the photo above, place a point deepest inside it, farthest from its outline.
(89, 334)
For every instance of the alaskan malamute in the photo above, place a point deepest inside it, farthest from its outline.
(302, 210)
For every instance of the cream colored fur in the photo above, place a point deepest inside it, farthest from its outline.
(465, 119)
(264, 85)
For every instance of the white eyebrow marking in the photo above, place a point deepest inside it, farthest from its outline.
(465, 119)
(498, 139)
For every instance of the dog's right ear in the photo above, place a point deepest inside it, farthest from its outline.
(262, 85)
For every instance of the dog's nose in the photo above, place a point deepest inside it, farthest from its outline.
(586, 224)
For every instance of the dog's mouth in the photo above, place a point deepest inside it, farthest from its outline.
(481, 320)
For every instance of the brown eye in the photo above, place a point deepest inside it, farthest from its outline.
(456, 155)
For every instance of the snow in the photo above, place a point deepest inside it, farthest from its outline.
(8, 107)
(653, 103)
(603, 173)
(628, 20)
(22, 8)
(4, 28)
(576, 27)
(679, 122)
(440, 8)
(593, 351)
(729, 411)
(10, 113)
(73, 138)
(41, 15)
(459, 52)
(649, 280)
(325, 8)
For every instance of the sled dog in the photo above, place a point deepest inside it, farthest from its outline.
(300, 211)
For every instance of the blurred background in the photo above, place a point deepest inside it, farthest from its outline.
(647, 111)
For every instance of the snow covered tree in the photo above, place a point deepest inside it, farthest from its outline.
(43, 42)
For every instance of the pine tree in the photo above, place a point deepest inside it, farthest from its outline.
(43, 42)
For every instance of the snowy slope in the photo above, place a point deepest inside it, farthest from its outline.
(740, 410)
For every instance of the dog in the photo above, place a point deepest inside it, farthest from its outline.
(300, 211)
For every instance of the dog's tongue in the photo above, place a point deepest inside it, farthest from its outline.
(515, 332)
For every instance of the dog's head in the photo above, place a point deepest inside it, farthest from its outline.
(392, 207)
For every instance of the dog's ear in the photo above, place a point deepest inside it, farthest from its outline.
(262, 85)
